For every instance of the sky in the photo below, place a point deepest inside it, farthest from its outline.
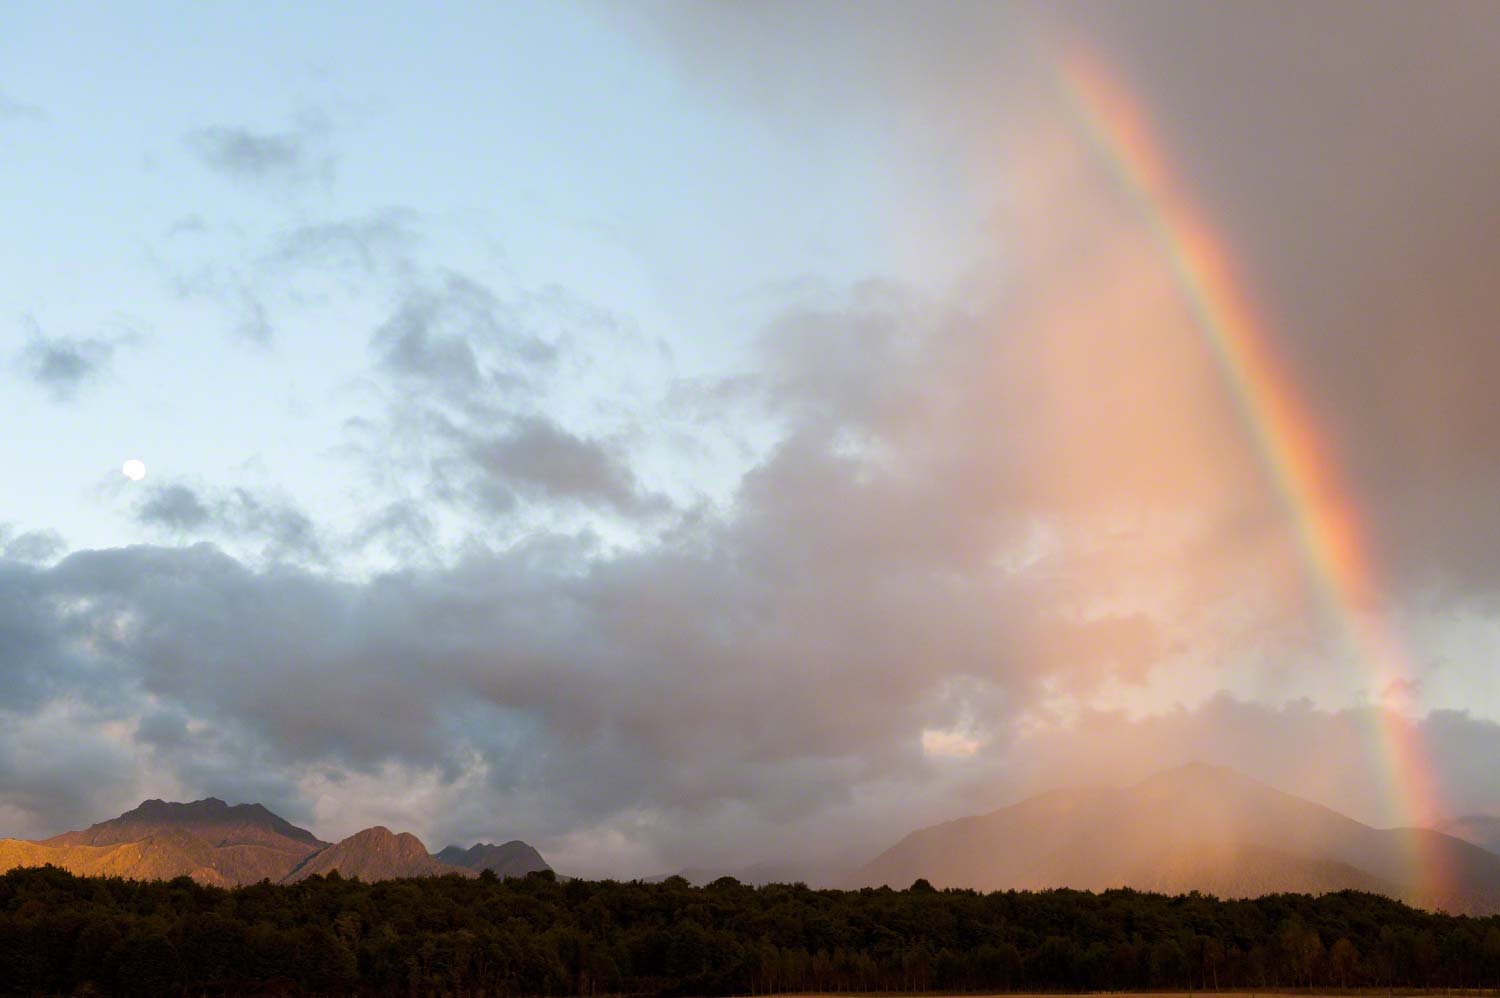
(721, 433)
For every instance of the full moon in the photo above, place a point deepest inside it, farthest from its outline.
(134, 469)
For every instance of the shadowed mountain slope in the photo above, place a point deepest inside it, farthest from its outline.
(1199, 827)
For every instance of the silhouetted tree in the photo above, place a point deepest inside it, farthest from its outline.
(61, 934)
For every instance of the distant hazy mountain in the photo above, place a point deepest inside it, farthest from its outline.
(1196, 828)
(513, 859)
(1480, 829)
(754, 875)
(215, 843)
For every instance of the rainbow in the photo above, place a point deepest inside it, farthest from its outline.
(1294, 458)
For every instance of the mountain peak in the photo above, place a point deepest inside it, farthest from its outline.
(374, 853)
(212, 820)
(1195, 827)
(381, 838)
(207, 839)
(513, 859)
(156, 806)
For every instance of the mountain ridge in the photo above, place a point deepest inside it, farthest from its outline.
(1196, 827)
(509, 859)
(374, 853)
(227, 845)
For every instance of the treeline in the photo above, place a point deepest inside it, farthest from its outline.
(61, 934)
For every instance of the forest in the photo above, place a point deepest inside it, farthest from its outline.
(544, 935)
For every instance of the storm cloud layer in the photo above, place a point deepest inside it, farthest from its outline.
(916, 544)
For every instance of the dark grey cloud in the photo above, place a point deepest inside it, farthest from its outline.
(663, 684)
(464, 374)
(56, 773)
(30, 545)
(537, 458)
(236, 513)
(294, 156)
(175, 507)
(65, 365)
(460, 341)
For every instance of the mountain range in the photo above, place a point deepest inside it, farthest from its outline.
(216, 843)
(1203, 828)
(1195, 828)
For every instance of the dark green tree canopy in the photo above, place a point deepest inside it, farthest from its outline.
(537, 935)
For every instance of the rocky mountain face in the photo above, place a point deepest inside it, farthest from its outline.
(1198, 828)
(215, 843)
(512, 859)
(211, 820)
(207, 840)
(375, 854)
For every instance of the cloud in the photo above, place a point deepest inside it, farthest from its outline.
(242, 153)
(368, 244)
(537, 458)
(404, 525)
(203, 271)
(650, 701)
(292, 156)
(64, 365)
(675, 693)
(175, 507)
(458, 339)
(31, 546)
(59, 770)
(260, 283)
(236, 513)
(991, 540)
(254, 320)
(1362, 247)
(466, 375)
(758, 673)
